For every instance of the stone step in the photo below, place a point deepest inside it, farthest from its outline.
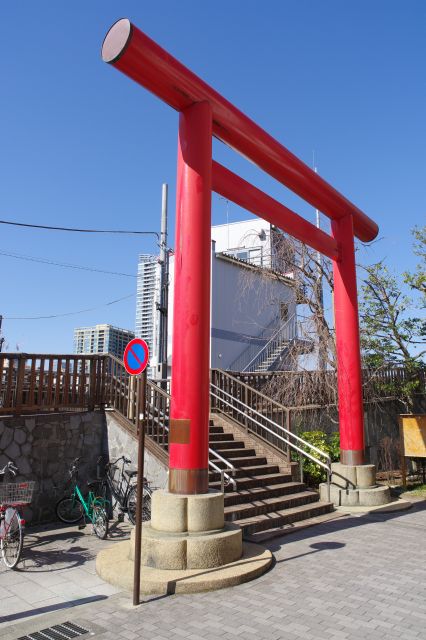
(272, 520)
(293, 527)
(261, 493)
(245, 463)
(215, 429)
(269, 505)
(229, 444)
(219, 437)
(255, 477)
(233, 453)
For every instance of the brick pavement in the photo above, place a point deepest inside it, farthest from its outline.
(57, 569)
(352, 578)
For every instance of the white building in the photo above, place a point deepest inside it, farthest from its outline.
(147, 301)
(249, 240)
(253, 310)
(102, 338)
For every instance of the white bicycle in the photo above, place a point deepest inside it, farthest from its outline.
(13, 495)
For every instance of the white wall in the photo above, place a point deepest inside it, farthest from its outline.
(251, 234)
(244, 302)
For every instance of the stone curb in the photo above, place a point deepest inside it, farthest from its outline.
(114, 566)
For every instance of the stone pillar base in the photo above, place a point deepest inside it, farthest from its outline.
(355, 486)
(187, 545)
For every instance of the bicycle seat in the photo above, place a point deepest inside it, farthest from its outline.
(93, 483)
(130, 473)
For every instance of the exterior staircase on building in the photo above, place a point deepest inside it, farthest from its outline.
(269, 351)
(273, 357)
(267, 497)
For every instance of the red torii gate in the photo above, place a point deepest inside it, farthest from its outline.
(205, 113)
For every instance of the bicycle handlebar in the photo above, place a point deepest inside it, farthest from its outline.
(123, 458)
(11, 467)
(74, 467)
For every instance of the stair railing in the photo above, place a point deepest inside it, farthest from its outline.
(223, 472)
(226, 393)
(275, 345)
(157, 414)
(253, 348)
(122, 396)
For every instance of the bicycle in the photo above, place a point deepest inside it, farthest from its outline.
(118, 481)
(12, 496)
(71, 509)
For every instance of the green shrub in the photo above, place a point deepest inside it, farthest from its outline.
(313, 473)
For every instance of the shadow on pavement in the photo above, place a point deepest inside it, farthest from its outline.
(50, 608)
(316, 548)
(57, 547)
(342, 524)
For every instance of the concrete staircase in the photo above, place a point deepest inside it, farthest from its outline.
(267, 497)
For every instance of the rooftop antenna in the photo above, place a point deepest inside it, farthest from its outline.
(164, 288)
(227, 219)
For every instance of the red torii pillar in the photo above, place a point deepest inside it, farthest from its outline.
(349, 381)
(203, 113)
(189, 430)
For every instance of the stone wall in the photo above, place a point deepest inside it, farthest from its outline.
(43, 448)
(381, 421)
(118, 441)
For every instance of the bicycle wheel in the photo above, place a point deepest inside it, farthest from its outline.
(11, 544)
(69, 510)
(100, 521)
(146, 505)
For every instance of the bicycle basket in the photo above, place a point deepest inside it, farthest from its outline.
(17, 492)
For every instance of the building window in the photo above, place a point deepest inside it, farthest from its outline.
(284, 311)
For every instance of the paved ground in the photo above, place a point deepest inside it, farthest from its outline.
(354, 578)
(57, 569)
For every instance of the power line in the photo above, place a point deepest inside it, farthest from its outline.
(70, 313)
(67, 265)
(74, 230)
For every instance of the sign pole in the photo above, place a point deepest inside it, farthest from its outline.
(141, 390)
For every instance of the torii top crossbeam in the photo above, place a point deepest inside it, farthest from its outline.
(205, 113)
(139, 57)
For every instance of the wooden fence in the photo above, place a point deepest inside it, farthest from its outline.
(36, 382)
(32, 383)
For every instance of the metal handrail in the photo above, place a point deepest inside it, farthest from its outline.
(223, 472)
(274, 340)
(303, 453)
(230, 467)
(239, 360)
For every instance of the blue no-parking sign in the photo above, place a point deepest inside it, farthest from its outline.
(136, 356)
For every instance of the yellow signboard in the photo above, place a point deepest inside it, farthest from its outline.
(413, 435)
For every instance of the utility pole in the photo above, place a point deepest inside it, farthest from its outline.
(164, 289)
(1, 335)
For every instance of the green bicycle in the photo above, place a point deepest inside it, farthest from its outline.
(74, 508)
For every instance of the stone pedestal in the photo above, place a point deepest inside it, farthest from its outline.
(355, 486)
(186, 547)
(189, 532)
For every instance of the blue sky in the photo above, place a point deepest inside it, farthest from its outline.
(81, 145)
